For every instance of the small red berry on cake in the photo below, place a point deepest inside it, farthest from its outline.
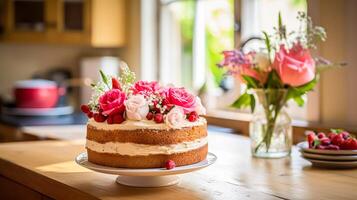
(118, 119)
(150, 116)
(170, 164)
(98, 117)
(85, 108)
(193, 116)
(159, 118)
(90, 115)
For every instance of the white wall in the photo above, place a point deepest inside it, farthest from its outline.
(338, 88)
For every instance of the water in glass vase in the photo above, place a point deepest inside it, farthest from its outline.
(270, 128)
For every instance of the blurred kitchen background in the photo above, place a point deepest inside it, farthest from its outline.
(173, 41)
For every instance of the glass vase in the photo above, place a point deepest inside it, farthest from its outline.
(270, 128)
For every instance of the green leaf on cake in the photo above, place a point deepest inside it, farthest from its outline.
(104, 78)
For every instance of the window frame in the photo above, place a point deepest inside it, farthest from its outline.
(312, 106)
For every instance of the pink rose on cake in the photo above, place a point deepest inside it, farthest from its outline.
(175, 117)
(136, 107)
(180, 97)
(296, 66)
(112, 102)
(145, 87)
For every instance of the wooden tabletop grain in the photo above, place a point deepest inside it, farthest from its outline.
(48, 167)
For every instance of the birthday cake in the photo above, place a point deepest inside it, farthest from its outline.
(143, 124)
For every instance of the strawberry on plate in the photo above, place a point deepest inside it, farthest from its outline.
(337, 139)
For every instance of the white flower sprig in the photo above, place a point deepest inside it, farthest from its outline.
(126, 79)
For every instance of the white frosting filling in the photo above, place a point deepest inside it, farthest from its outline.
(143, 124)
(133, 149)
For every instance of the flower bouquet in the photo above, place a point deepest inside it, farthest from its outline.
(285, 69)
(117, 99)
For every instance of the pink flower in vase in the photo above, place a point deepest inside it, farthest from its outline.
(295, 67)
(239, 64)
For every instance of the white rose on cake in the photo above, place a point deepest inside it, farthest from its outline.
(199, 107)
(136, 107)
(176, 117)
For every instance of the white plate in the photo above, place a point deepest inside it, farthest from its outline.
(305, 147)
(329, 157)
(152, 177)
(62, 110)
(333, 164)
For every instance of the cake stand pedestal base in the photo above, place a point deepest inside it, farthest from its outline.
(148, 181)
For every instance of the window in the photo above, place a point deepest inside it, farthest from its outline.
(192, 34)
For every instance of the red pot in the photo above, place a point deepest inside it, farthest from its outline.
(36, 94)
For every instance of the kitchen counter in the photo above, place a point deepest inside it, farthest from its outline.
(19, 121)
(46, 169)
(24, 128)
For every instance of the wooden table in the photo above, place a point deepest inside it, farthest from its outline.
(45, 169)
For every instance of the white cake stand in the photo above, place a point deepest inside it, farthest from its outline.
(153, 177)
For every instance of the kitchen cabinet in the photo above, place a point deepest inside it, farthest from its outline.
(94, 23)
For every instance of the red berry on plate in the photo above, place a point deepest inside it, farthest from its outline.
(331, 135)
(115, 84)
(85, 108)
(99, 117)
(345, 135)
(118, 119)
(349, 144)
(353, 144)
(332, 147)
(170, 164)
(321, 147)
(150, 116)
(158, 118)
(325, 141)
(321, 135)
(310, 138)
(90, 115)
(193, 116)
(337, 140)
